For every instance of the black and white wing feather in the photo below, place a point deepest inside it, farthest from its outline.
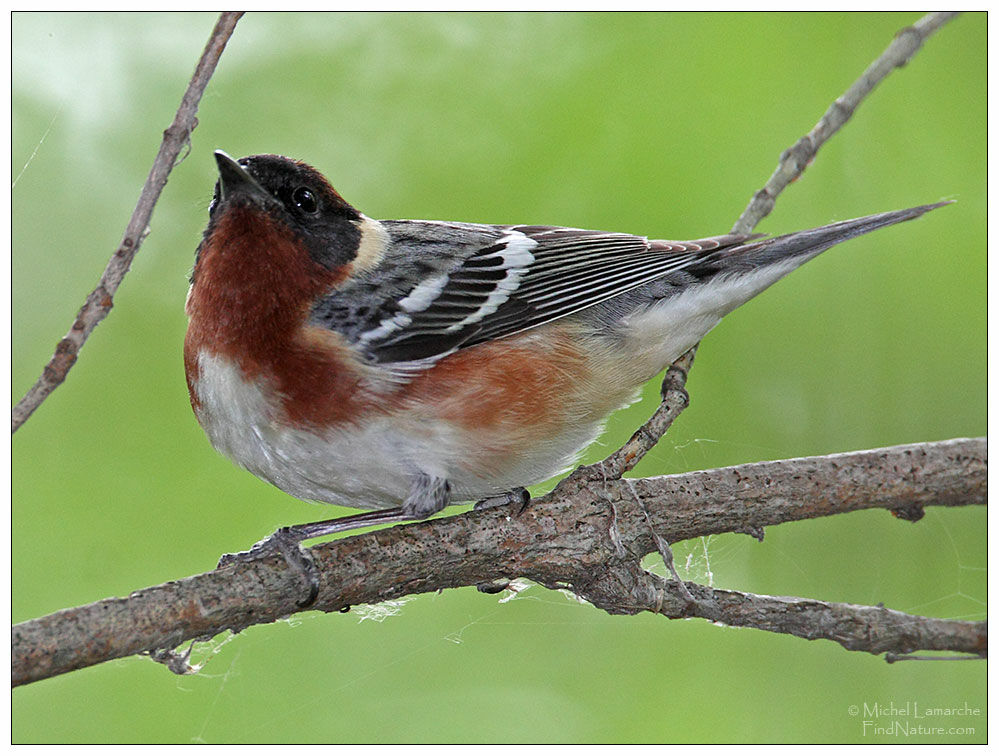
(439, 287)
(444, 286)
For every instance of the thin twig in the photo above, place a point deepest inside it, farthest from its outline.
(560, 541)
(794, 160)
(674, 401)
(98, 304)
(665, 551)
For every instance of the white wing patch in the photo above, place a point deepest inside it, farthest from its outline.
(418, 300)
(424, 294)
(513, 256)
(516, 258)
(386, 327)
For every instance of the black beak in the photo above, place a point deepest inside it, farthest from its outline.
(234, 180)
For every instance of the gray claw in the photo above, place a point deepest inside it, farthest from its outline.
(518, 497)
(298, 559)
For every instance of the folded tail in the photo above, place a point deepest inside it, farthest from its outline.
(801, 246)
(688, 302)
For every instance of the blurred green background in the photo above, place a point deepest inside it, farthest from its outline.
(657, 124)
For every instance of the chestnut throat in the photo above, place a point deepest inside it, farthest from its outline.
(253, 286)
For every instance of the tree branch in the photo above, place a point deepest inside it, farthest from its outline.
(100, 301)
(588, 535)
(794, 160)
(674, 401)
(874, 629)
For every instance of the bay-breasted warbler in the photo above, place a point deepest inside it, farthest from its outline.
(407, 364)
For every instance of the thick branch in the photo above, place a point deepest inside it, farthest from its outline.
(99, 302)
(747, 498)
(794, 160)
(587, 535)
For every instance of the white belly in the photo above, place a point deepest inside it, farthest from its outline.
(370, 467)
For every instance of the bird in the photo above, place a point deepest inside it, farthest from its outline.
(399, 366)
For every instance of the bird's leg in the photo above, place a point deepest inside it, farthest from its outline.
(288, 543)
(428, 495)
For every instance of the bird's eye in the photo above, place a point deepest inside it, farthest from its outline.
(305, 200)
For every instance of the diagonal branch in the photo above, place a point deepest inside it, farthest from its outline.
(674, 401)
(588, 535)
(99, 302)
(794, 160)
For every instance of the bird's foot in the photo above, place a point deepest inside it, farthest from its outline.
(518, 498)
(288, 545)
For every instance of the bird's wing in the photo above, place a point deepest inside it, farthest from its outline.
(445, 286)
